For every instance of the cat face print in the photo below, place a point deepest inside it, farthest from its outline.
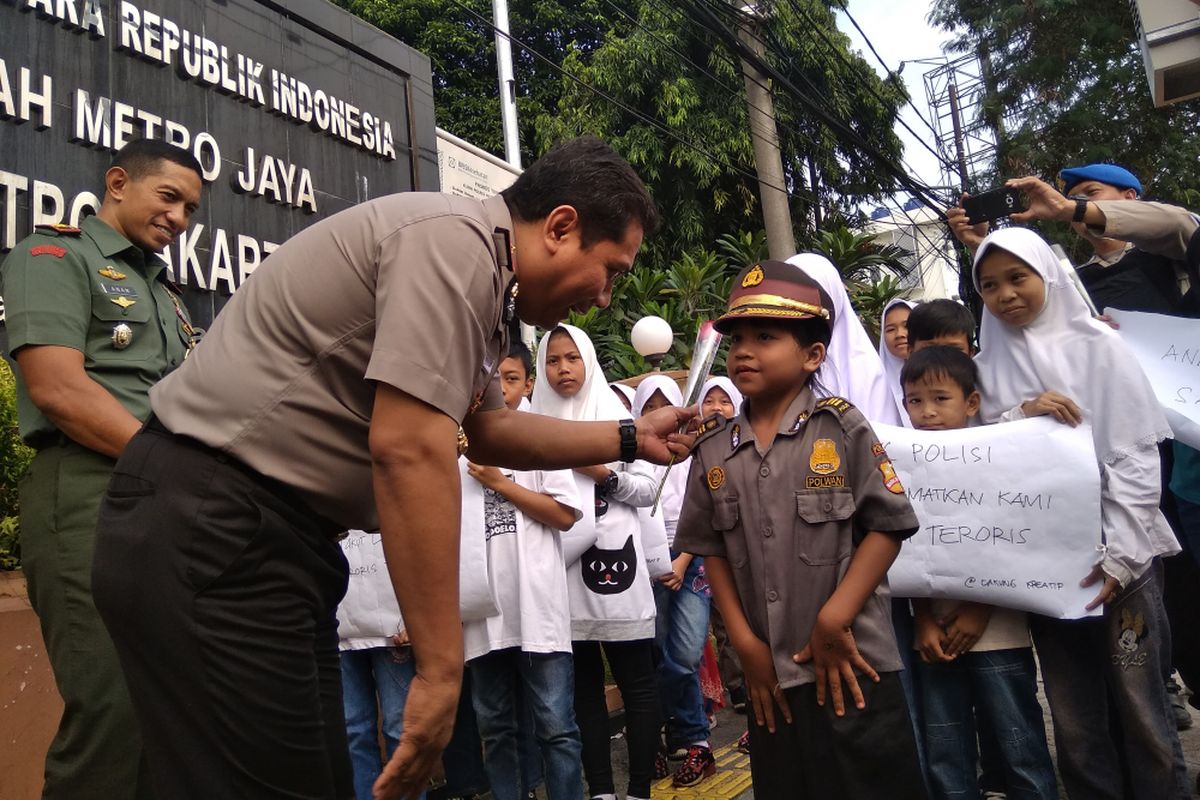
(609, 571)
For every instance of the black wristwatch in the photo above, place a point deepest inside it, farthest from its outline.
(1080, 211)
(628, 441)
(609, 484)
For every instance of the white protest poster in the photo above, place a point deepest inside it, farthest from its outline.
(1168, 351)
(1009, 513)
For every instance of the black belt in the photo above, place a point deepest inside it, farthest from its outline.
(279, 489)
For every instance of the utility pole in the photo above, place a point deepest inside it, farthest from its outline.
(956, 121)
(508, 114)
(777, 218)
(508, 86)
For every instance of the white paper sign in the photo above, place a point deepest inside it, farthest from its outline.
(1168, 351)
(1009, 513)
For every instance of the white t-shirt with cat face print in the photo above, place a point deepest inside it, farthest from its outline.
(525, 562)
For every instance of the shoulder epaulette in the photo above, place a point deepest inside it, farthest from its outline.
(710, 426)
(58, 229)
(838, 404)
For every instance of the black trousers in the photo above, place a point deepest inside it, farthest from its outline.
(632, 665)
(220, 591)
(863, 754)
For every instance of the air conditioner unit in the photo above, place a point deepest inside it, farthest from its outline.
(1169, 35)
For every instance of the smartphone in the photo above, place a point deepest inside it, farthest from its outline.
(993, 204)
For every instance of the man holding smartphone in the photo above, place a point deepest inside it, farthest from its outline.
(1139, 247)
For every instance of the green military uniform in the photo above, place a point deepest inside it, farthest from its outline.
(92, 290)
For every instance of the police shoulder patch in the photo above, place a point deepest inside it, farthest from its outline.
(838, 404)
(58, 229)
(709, 426)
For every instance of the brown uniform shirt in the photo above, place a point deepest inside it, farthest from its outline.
(789, 519)
(406, 290)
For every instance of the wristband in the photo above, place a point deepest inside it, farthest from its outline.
(1080, 210)
(628, 440)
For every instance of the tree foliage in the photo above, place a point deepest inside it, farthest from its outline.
(1068, 86)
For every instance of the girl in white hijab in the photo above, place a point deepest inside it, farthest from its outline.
(612, 603)
(624, 393)
(852, 368)
(894, 348)
(1043, 353)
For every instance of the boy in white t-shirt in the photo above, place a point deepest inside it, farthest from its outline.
(520, 659)
(976, 669)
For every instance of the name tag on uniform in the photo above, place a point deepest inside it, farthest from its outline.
(119, 291)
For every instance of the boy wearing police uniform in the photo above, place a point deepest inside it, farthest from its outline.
(799, 514)
(92, 325)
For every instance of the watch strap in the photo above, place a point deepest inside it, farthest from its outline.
(1080, 210)
(628, 440)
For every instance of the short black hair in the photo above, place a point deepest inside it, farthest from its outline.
(590, 176)
(938, 362)
(941, 317)
(518, 350)
(141, 157)
(810, 331)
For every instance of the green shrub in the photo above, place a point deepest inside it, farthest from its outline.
(14, 459)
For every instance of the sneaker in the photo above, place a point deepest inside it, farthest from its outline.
(1179, 709)
(743, 744)
(737, 698)
(698, 765)
(677, 752)
(661, 768)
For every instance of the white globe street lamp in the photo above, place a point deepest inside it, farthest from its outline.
(652, 338)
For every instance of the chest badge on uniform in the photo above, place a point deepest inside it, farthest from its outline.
(753, 278)
(111, 274)
(735, 437)
(890, 481)
(824, 458)
(123, 302)
(716, 478)
(122, 336)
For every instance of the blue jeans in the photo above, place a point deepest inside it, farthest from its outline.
(679, 636)
(1003, 685)
(546, 684)
(1114, 734)
(387, 671)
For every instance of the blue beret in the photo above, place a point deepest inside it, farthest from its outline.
(1110, 174)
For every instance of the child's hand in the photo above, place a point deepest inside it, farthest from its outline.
(1107, 592)
(1061, 407)
(488, 476)
(835, 656)
(965, 626)
(762, 684)
(671, 580)
(930, 639)
(970, 235)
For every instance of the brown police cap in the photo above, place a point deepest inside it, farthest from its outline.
(775, 290)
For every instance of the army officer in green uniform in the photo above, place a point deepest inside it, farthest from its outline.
(92, 324)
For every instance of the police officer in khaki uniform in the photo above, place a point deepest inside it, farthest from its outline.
(329, 395)
(93, 325)
(798, 520)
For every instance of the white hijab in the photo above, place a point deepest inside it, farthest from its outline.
(656, 383)
(593, 401)
(725, 385)
(1065, 350)
(625, 391)
(852, 368)
(891, 364)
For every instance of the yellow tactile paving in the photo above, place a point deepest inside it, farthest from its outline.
(732, 778)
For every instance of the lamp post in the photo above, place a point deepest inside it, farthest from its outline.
(652, 338)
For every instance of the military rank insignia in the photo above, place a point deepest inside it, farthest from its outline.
(123, 302)
(111, 274)
(824, 458)
(710, 424)
(753, 278)
(716, 478)
(890, 480)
